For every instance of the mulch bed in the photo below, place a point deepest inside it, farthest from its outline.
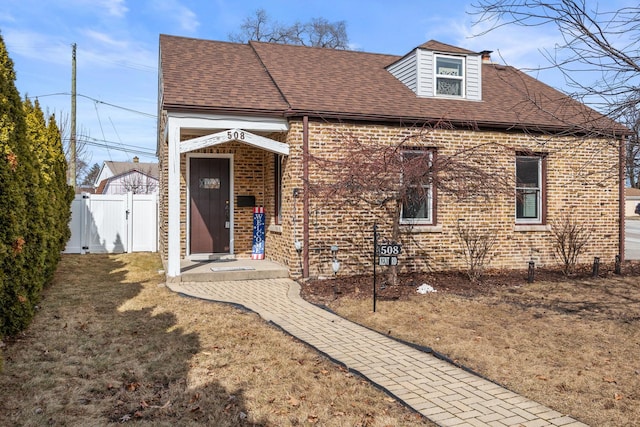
(324, 291)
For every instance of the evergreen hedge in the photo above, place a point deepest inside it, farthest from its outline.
(35, 202)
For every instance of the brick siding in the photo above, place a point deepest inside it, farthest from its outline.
(581, 181)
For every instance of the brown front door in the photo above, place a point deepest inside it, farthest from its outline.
(210, 215)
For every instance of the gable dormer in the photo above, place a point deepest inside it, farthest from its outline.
(438, 70)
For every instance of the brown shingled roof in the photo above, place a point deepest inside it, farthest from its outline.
(288, 80)
(437, 46)
(211, 75)
(631, 192)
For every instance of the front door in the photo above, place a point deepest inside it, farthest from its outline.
(209, 203)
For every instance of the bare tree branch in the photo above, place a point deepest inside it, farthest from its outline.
(319, 32)
(604, 42)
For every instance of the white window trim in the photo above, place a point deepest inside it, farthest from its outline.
(462, 78)
(420, 221)
(538, 219)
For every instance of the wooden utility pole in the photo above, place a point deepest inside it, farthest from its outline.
(72, 136)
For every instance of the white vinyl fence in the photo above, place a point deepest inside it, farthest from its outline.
(113, 223)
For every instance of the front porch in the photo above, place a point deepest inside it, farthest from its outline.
(228, 269)
(217, 172)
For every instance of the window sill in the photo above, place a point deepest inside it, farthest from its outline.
(532, 227)
(275, 228)
(420, 228)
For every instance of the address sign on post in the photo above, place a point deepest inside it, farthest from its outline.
(388, 254)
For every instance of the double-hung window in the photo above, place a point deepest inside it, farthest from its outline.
(417, 188)
(449, 76)
(529, 189)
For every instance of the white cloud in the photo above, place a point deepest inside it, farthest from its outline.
(115, 8)
(106, 52)
(6, 16)
(103, 38)
(33, 45)
(187, 19)
(520, 47)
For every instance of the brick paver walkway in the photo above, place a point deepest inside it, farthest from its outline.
(446, 394)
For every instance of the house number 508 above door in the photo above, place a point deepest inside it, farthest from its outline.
(235, 135)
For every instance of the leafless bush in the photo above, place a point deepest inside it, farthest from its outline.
(476, 244)
(570, 241)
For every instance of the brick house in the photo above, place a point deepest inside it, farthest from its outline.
(240, 125)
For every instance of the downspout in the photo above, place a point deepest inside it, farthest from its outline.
(305, 197)
(621, 203)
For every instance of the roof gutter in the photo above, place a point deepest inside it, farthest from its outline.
(178, 108)
(412, 121)
(468, 124)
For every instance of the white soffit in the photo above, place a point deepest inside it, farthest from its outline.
(186, 121)
(236, 134)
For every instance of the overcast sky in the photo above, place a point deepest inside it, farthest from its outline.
(117, 50)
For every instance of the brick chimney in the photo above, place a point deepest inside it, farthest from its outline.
(486, 56)
(136, 159)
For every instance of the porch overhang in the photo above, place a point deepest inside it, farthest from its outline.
(231, 135)
(239, 129)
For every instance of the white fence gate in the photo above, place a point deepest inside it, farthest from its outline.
(113, 223)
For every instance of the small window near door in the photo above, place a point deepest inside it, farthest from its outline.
(278, 162)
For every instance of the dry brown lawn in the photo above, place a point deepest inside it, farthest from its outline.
(570, 345)
(111, 345)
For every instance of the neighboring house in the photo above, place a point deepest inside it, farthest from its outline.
(124, 177)
(632, 199)
(242, 122)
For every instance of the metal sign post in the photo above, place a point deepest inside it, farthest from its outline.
(386, 254)
(375, 251)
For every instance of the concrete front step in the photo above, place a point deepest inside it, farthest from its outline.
(223, 270)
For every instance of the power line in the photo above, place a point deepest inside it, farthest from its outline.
(102, 130)
(97, 101)
(100, 143)
(153, 116)
(116, 132)
(105, 143)
(21, 47)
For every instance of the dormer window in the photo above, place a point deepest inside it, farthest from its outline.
(438, 70)
(449, 76)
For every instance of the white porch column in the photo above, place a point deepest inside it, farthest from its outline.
(173, 240)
